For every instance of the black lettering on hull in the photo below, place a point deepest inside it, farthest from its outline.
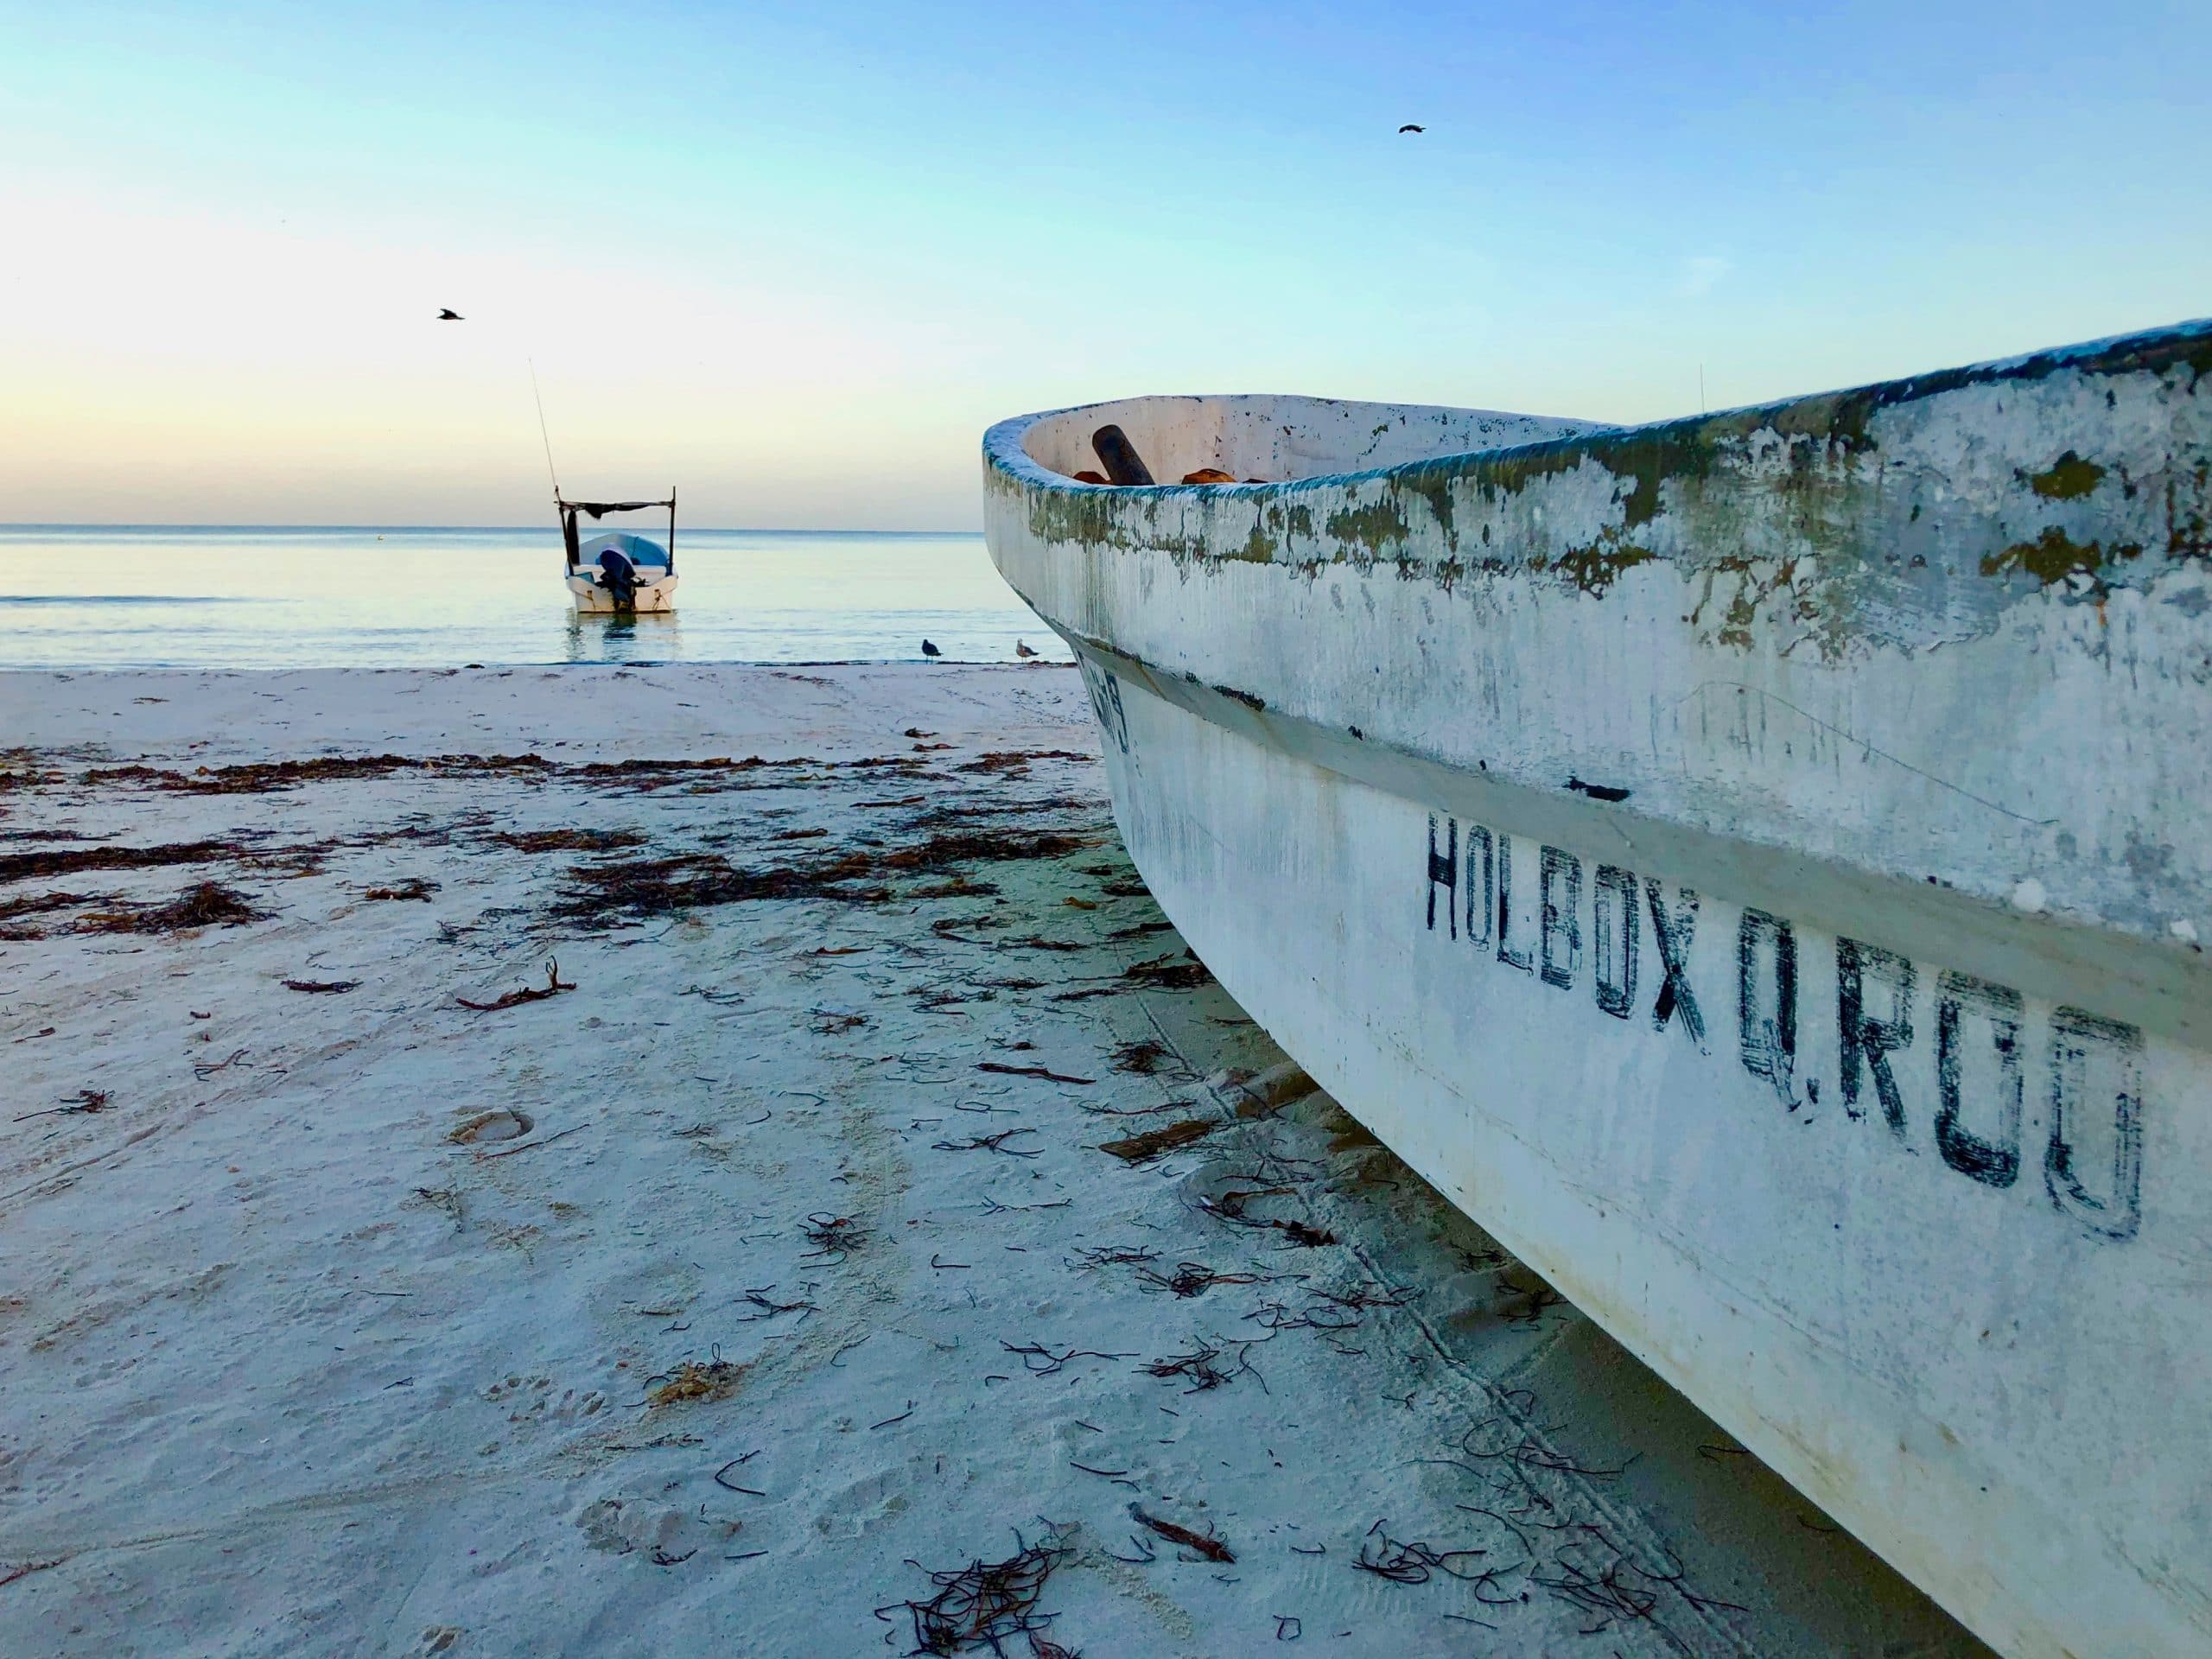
(1105, 689)
(1481, 889)
(1960, 998)
(1558, 892)
(1506, 953)
(2093, 1160)
(1675, 931)
(2096, 1094)
(1869, 1038)
(1444, 871)
(1613, 930)
(1766, 1001)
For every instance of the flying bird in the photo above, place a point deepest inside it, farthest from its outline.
(1022, 649)
(1410, 127)
(448, 314)
(929, 650)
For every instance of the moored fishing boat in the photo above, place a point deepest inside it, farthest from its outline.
(618, 571)
(1756, 865)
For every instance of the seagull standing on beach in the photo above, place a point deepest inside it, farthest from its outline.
(1021, 649)
(447, 314)
(929, 650)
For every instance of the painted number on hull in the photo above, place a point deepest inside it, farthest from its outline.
(1946, 1056)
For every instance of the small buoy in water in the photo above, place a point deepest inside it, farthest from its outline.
(1022, 649)
(929, 650)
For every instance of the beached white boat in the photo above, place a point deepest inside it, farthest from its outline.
(1758, 866)
(618, 572)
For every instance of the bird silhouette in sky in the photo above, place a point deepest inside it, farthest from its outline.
(1410, 127)
(1022, 649)
(929, 650)
(448, 314)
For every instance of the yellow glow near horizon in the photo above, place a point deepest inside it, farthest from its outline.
(195, 369)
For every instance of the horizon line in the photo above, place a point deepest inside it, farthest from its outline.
(553, 530)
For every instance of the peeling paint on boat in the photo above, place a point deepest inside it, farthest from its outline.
(1756, 866)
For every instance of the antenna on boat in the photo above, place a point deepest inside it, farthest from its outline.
(543, 436)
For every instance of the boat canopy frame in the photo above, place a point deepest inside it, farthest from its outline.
(570, 508)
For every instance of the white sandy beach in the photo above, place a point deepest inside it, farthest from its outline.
(713, 1305)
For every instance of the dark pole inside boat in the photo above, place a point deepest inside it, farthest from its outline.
(1119, 456)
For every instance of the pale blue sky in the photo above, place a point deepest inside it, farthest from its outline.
(794, 258)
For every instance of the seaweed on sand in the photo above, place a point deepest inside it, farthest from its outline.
(1197, 1367)
(71, 861)
(654, 886)
(643, 777)
(833, 1237)
(554, 986)
(715, 1379)
(1207, 1546)
(1167, 974)
(941, 852)
(1193, 1278)
(695, 881)
(1115, 1255)
(413, 887)
(14, 928)
(1399, 1563)
(210, 903)
(983, 1604)
(1000, 1069)
(990, 1143)
(1017, 761)
(253, 778)
(977, 809)
(1146, 1058)
(1232, 1206)
(83, 1103)
(570, 841)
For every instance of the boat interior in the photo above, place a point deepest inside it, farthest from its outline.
(1273, 440)
(647, 558)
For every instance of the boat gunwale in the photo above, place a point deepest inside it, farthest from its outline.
(2156, 349)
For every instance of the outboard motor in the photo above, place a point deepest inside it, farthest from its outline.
(619, 578)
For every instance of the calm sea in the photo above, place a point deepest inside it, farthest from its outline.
(170, 597)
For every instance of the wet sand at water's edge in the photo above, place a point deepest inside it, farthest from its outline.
(687, 1160)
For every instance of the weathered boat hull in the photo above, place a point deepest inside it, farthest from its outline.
(1756, 867)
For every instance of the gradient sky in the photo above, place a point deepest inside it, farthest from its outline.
(794, 258)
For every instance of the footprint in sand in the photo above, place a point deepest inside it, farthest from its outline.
(529, 1400)
(668, 1537)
